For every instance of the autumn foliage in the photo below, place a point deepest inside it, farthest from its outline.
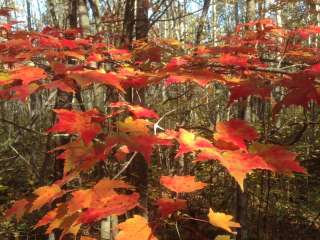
(129, 129)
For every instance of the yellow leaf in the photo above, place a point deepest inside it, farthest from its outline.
(222, 220)
(136, 127)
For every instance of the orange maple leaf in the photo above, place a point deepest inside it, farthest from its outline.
(28, 74)
(48, 218)
(98, 194)
(105, 185)
(67, 223)
(86, 78)
(136, 228)
(181, 184)
(80, 199)
(46, 195)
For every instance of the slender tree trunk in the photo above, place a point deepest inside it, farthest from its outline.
(94, 5)
(128, 23)
(202, 20)
(142, 20)
(83, 17)
(139, 168)
(53, 13)
(214, 22)
(236, 13)
(73, 6)
(98, 89)
(33, 97)
(64, 100)
(242, 197)
(29, 15)
(251, 10)
(317, 21)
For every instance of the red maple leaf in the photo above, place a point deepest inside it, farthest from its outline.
(117, 204)
(168, 206)
(86, 124)
(137, 110)
(278, 158)
(233, 134)
(19, 208)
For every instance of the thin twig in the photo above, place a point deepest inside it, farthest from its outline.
(21, 127)
(31, 168)
(157, 126)
(178, 232)
(125, 166)
(195, 219)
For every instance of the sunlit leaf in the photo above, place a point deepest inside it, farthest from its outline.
(222, 220)
(86, 124)
(135, 228)
(181, 184)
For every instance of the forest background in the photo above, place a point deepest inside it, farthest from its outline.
(195, 67)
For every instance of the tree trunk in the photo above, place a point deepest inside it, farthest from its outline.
(128, 23)
(94, 5)
(142, 20)
(83, 17)
(214, 22)
(139, 168)
(242, 197)
(317, 20)
(236, 13)
(251, 10)
(73, 6)
(64, 101)
(29, 15)
(202, 20)
(53, 13)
